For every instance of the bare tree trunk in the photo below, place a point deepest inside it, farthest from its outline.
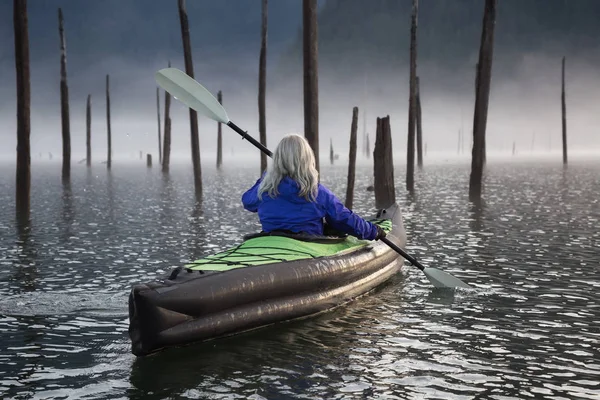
(149, 160)
(368, 147)
(220, 135)
(331, 151)
(352, 160)
(166, 158)
(262, 86)
(419, 126)
(109, 155)
(364, 134)
(483, 148)
(64, 101)
(167, 146)
(158, 115)
(564, 114)
(385, 193)
(484, 73)
(311, 84)
(23, 182)
(410, 151)
(88, 131)
(189, 69)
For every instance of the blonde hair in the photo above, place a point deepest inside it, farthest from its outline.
(294, 158)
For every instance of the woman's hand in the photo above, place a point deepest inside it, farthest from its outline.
(380, 233)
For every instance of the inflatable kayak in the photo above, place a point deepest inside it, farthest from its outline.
(268, 278)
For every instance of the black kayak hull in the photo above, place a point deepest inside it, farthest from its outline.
(195, 306)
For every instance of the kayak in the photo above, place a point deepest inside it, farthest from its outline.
(268, 278)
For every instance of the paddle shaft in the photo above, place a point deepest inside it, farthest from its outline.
(250, 139)
(412, 260)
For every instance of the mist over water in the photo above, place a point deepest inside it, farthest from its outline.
(524, 102)
(524, 110)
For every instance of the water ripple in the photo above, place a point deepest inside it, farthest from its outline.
(528, 328)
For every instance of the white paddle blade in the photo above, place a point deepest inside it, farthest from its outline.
(441, 279)
(185, 89)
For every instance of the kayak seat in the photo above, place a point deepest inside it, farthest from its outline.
(325, 239)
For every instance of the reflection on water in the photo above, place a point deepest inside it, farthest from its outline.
(24, 256)
(68, 212)
(528, 329)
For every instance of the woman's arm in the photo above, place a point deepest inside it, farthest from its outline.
(343, 219)
(250, 199)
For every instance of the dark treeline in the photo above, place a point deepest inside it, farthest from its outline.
(450, 28)
(449, 32)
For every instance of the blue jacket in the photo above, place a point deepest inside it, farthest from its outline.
(291, 212)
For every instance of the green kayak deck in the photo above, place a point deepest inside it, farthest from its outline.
(273, 249)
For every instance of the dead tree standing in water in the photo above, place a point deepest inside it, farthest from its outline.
(364, 135)
(483, 151)
(88, 131)
(410, 151)
(262, 86)
(189, 69)
(419, 126)
(331, 155)
(23, 182)
(64, 101)
(109, 155)
(158, 115)
(385, 193)
(220, 135)
(564, 114)
(352, 160)
(311, 84)
(484, 74)
(167, 136)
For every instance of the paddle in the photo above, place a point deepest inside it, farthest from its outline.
(439, 279)
(187, 90)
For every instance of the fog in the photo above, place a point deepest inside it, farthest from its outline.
(524, 106)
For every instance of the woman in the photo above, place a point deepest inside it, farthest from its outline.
(288, 197)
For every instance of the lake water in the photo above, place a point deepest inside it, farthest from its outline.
(530, 327)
